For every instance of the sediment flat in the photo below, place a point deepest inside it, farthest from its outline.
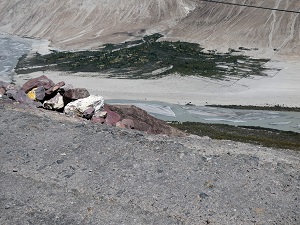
(278, 88)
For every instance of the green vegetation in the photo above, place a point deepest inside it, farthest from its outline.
(270, 108)
(255, 135)
(146, 58)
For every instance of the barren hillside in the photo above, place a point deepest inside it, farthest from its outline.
(227, 26)
(89, 23)
(74, 24)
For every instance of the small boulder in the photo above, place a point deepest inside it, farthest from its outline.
(37, 93)
(55, 88)
(76, 93)
(40, 93)
(101, 114)
(22, 98)
(88, 113)
(112, 118)
(128, 123)
(36, 82)
(79, 106)
(55, 103)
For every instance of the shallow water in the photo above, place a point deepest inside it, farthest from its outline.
(10, 51)
(288, 121)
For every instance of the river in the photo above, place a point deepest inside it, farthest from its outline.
(12, 48)
(287, 121)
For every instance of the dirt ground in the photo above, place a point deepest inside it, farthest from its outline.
(55, 170)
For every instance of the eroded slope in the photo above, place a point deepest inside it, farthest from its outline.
(227, 26)
(76, 24)
(82, 24)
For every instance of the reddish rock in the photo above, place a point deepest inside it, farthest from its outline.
(58, 86)
(98, 120)
(36, 82)
(128, 123)
(55, 88)
(88, 113)
(112, 118)
(76, 93)
(143, 121)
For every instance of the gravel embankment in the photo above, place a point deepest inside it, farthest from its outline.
(55, 170)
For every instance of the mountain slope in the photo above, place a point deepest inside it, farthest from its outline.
(75, 24)
(227, 26)
(81, 24)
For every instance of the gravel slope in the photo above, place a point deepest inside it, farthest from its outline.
(55, 170)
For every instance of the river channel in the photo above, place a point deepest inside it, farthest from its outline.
(12, 48)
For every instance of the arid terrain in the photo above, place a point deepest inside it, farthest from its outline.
(58, 170)
(55, 170)
(261, 32)
(76, 24)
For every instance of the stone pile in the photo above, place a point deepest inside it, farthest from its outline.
(42, 92)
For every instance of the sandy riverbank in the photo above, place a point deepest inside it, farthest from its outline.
(278, 88)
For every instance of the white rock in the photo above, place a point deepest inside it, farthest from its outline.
(79, 106)
(56, 102)
(101, 114)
